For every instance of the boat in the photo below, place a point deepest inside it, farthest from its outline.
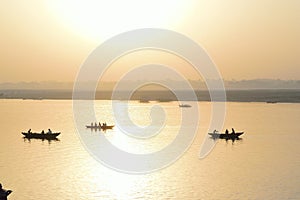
(48, 136)
(185, 105)
(100, 127)
(144, 100)
(235, 135)
(271, 101)
(164, 100)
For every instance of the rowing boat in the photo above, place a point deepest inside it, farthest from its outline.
(99, 127)
(226, 136)
(48, 136)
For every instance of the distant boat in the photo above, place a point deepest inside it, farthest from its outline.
(48, 136)
(226, 136)
(185, 105)
(164, 100)
(100, 127)
(271, 101)
(144, 101)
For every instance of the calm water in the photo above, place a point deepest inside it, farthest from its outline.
(264, 165)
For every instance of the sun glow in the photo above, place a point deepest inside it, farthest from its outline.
(98, 20)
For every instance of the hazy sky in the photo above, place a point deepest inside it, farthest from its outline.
(49, 40)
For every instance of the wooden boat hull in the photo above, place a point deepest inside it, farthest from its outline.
(41, 135)
(226, 136)
(100, 127)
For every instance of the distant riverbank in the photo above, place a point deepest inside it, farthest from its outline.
(270, 96)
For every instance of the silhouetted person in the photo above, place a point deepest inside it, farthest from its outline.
(4, 193)
(43, 131)
(233, 132)
(226, 132)
(49, 131)
(29, 131)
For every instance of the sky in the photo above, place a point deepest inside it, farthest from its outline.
(49, 40)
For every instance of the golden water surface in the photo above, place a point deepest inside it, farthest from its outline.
(265, 164)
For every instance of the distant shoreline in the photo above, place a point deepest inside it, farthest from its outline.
(258, 95)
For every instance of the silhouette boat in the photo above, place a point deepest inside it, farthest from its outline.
(47, 136)
(185, 105)
(144, 100)
(271, 101)
(104, 127)
(226, 136)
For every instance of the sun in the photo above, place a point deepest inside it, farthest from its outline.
(99, 20)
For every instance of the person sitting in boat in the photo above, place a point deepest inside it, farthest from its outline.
(4, 193)
(49, 131)
(99, 124)
(43, 132)
(29, 131)
(226, 132)
(233, 132)
(215, 131)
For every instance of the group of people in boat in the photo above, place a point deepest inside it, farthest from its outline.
(226, 131)
(43, 132)
(99, 124)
